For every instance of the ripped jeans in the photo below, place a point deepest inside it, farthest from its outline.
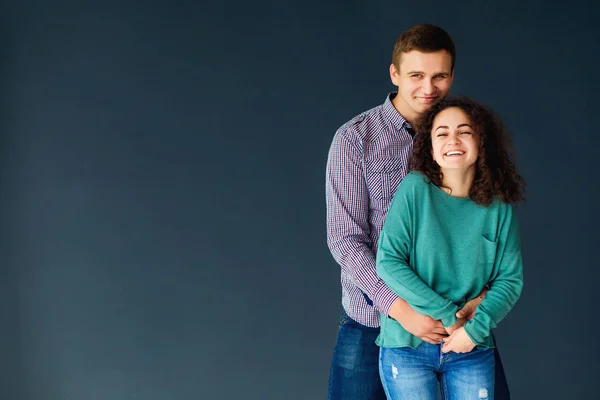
(415, 374)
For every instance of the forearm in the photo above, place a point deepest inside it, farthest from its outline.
(357, 261)
(402, 280)
(420, 299)
(498, 301)
(348, 228)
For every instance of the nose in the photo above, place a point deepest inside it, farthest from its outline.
(428, 87)
(454, 139)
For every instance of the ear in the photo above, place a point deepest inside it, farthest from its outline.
(394, 74)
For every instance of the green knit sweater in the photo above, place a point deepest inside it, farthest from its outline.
(437, 252)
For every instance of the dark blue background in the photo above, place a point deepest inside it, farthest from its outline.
(162, 188)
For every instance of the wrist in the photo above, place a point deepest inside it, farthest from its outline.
(384, 298)
(483, 292)
(398, 308)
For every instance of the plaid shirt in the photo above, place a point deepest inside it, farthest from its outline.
(367, 160)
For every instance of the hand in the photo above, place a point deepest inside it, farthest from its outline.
(425, 328)
(458, 342)
(468, 311)
(459, 324)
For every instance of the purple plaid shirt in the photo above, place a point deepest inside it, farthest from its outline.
(367, 160)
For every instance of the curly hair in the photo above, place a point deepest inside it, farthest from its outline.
(495, 173)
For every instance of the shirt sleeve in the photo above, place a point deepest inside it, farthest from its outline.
(506, 282)
(393, 265)
(348, 231)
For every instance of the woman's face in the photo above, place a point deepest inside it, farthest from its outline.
(454, 143)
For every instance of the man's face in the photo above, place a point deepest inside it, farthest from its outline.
(423, 80)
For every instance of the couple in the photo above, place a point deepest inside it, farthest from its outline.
(422, 292)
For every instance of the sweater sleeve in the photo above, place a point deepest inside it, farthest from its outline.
(393, 264)
(506, 282)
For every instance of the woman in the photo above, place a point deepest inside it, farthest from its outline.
(451, 230)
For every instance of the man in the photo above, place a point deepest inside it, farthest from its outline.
(367, 161)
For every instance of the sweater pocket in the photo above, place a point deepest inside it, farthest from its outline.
(487, 250)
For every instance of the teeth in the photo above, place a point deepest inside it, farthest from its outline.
(452, 153)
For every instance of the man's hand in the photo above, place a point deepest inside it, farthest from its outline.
(423, 327)
(458, 342)
(468, 311)
(459, 324)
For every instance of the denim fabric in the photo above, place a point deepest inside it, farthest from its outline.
(354, 373)
(416, 374)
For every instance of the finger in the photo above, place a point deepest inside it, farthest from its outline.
(438, 330)
(451, 330)
(428, 340)
(432, 338)
(432, 323)
(464, 312)
(447, 347)
(449, 343)
(436, 337)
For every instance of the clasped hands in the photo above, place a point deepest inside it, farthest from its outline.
(431, 331)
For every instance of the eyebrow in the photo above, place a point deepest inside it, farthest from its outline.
(459, 126)
(421, 72)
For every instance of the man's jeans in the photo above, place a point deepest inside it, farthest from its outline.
(413, 374)
(354, 371)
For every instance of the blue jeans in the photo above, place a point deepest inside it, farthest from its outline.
(354, 373)
(414, 374)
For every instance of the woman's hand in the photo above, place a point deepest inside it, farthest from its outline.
(459, 324)
(468, 311)
(458, 342)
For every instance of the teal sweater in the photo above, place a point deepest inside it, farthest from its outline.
(437, 252)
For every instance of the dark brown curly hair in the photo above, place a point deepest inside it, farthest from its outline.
(495, 173)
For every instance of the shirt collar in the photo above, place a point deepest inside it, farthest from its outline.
(392, 115)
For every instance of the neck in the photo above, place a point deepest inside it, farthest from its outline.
(458, 182)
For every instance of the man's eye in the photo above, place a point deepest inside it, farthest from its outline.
(440, 76)
(416, 75)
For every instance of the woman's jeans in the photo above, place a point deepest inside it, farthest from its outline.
(354, 366)
(414, 374)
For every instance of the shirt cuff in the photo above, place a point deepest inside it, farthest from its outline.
(384, 298)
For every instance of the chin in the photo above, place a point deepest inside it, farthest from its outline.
(420, 108)
(455, 167)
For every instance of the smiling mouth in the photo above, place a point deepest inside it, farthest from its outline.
(454, 153)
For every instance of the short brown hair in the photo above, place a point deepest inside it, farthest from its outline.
(495, 173)
(425, 38)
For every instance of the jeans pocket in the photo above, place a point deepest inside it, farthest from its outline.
(344, 318)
